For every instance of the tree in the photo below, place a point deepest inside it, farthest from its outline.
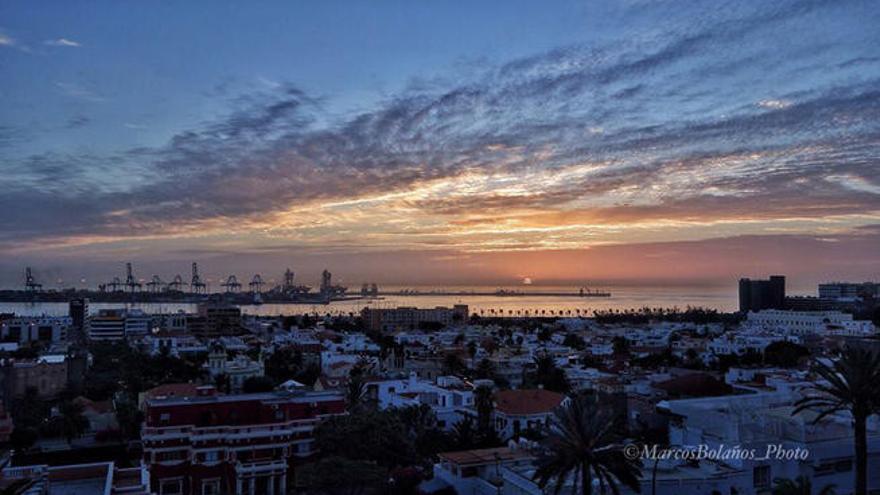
(22, 438)
(852, 384)
(71, 420)
(223, 383)
(452, 364)
(356, 391)
(376, 436)
(420, 424)
(784, 354)
(284, 364)
(580, 446)
(464, 434)
(548, 375)
(574, 341)
(544, 334)
(255, 384)
(800, 486)
(336, 475)
(485, 369)
(472, 349)
(129, 418)
(621, 345)
(484, 402)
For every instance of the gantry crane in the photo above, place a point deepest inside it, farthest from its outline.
(196, 285)
(130, 282)
(231, 284)
(30, 283)
(256, 284)
(155, 284)
(176, 284)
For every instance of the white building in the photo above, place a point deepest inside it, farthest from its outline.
(450, 398)
(108, 324)
(118, 324)
(137, 323)
(758, 422)
(811, 322)
(177, 343)
(238, 369)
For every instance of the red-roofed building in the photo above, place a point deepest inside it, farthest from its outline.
(518, 410)
(244, 443)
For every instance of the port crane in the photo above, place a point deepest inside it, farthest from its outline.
(256, 284)
(232, 284)
(30, 283)
(196, 285)
(115, 285)
(130, 282)
(176, 284)
(155, 284)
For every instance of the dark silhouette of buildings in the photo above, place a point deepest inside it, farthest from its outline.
(755, 295)
(79, 314)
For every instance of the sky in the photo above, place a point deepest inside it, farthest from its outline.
(627, 141)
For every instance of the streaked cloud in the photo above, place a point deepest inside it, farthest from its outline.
(76, 90)
(774, 104)
(710, 130)
(63, 42)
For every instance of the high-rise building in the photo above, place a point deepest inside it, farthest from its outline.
(326, 282)
(849, 290)
(755, 295)
(78, 309)
(108, 324)
(407, 318)
(219, 320)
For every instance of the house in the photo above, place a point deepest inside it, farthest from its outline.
(479, 471)
(519, 410)
(237, 369)
(449, 397)
(102, 478)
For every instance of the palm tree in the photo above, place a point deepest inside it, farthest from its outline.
(356, 391)
(463, 434)
(851, 384)
(580, 446)
(484, 402)
(800, 486)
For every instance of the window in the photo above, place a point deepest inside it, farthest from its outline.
(211, 456)
(761, 476)
(211, 487)
(173, 455)
(172, 486)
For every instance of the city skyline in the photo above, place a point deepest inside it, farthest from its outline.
(414, 143)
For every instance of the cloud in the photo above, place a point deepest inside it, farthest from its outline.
(62, 42)
(635, 140)
(6, 40)
(774, 104)
(75, 90)
(78, 121)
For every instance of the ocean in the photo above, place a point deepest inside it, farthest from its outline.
(622, 298)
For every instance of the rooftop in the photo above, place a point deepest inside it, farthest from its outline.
(479, 457)
(533, 401)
